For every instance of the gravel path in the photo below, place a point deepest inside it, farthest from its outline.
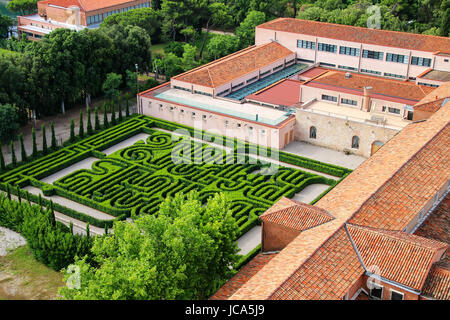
(9, 240)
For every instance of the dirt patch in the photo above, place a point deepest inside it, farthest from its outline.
(24, 278)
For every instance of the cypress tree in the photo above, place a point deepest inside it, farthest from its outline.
(120, 112)
(8, 192)
(88, 233)
(106, 229)
(71, 227)
(113, 115)
(22, 149)
(2, 160)
(54, 143)
(72, 131)
(127, 110)
(40, 200)
(35, 152)
(13, 154)
(28, 198)
(44, 140)
(97, 121)
(105, 116)
(89, 124)
(19, 198)
(52, 214)
(81, 132)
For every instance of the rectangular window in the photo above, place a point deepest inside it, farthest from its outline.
(265, 73)
(376, 291)
(428, 84)
(306, 44)
(349, 102)
(394, 75)
(347, 68)
(278, 67)
(238, 85)
(372, 54)
(420, 61)
(394, 110)
(327, 64)
(370, 71)
(396, 295)
(327, 47)
(349, 51)
(396, 58)
(252, 79)
(329, 98)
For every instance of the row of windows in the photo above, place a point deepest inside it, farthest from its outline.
(313, 135)
(396, 58)
(349, 102)
(143, 5)
(421, 61)
(391, 110)
(370, 54)
(327, 47)
(99, 17)
(329, 98)
(376, 292)
(94, 19)
(393, 75)
(306, 44)
(349, 51)
(428, 84)
(370, 71)
(347, 68)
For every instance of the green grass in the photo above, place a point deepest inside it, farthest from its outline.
(158, 48)
(29, 278)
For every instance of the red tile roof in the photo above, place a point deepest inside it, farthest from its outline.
(298, 216)
(437, 285)
(387, 89)
(400, 257)
(432, 106)
(240, 278)
(388, 38)
(236, 65)
(88, 5)
(286, 93)
(320, 263)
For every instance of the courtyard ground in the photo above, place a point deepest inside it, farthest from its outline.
(24, 278)
(326, 155)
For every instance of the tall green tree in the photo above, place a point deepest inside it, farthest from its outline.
(72, 131)
(54, 142)
(89, 123)
(246, 30)
(23, 152)
(33, 137)
(183, 252)
(13, 155)
(81, 127)
(2, 160)
(111, 86)
(44, 140)
(9, 123)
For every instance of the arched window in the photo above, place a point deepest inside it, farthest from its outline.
(312, 132)
(355, 142)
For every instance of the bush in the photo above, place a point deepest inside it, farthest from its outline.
(9, 123)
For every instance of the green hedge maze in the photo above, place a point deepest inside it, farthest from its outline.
(137, 178)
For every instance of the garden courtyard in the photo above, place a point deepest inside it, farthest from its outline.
(130, 168)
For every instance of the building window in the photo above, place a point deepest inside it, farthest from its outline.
(394, 110)
(347, 68)
(421, 61)
(305, 60)
(370, 71)
(428, 84)
(372, 54)
(278, 67)
(350, 102)
(306, 44)
(327, 64)
(376, 291)
(329, 98)
(349, 51)
(394, 75)
(264, 73)
(313, 132)
(327, 47)
(395, 295)
(392, 57)
(355, 142)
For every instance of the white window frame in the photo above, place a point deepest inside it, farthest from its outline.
(398, 292)
(382, 291)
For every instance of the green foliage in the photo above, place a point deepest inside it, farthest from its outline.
(192, 248)
(221, 45)
(120, 112)
(9, 123)
(54, 142)
(113, 114)
(72, 131)
(6, 23)
(81, 127)
(33, 137)
(96, 121)
(246, 30)
(22, 6)
(111, 85)
(50, 241)
(174, 47)
(89, 123)
(105, 116)
(2, 160)
(44, 141)
(13, 155)
(127, 107)
(22, 149)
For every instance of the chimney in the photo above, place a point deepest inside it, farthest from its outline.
(366, 99)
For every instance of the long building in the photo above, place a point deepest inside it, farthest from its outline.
(72, 14)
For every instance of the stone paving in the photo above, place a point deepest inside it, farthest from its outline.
(9, 240)
(326, 155)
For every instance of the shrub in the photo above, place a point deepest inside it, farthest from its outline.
(9, 123)
(44, 140)
(54, 142)
(22, 149)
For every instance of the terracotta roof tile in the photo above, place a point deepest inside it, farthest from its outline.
(395, 39)
(88, 5)
(299, 216)
(236, 65)
(380, 86)
(437, 284)
(401, 257)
